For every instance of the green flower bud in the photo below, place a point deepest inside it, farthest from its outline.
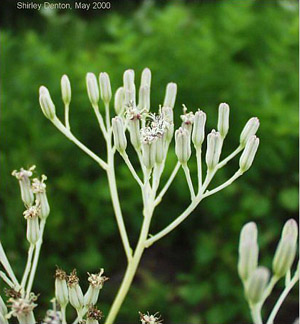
(134, 132)
(105, 88)
(248, 154)
(213, 151)
(129, 88)
(92, 88)
(61, 288)
(46, 103)
(75, 293)
(119, 134)
(148, 154)
(170, 96)
(144, 98)
(257, 284)
(119, 101)
(33, 228)
(65, 89)
(223, 119)
(146, 78)
(198, 134)
(182, 145)
(249, 130)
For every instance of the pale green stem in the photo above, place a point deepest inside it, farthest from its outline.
(131, 168)
(28, 266)
(7, 266)
(282, 297)
(107, 115)
(269, 289)
(100, 121)
(224, 185)
(115, 200)
(189, 180)
(199, 167)
(57, 123)
(167, 185)
(230, 157)
(36, 258)
(63, 315)
(255, 314)
(67, 121)
(288, 277)
(6, 279)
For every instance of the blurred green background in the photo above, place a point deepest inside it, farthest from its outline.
(243, 52)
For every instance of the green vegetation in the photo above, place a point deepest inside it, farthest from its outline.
(241, 52)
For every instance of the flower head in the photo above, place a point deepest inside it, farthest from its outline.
(39, 186)
(23, 174)
(97, 280)
(94, 313)
(73, 279)
(21, 306)
(33, 211)
(150, 319)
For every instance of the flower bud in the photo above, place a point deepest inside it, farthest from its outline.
(33, 228)
(39, 188)
(75, 292)
(257, 284)
(144, 98)
(96, 282)
(46, 103)
(119, 100)
(290, 229)
(223, 119)
(285, 252)
(61, 288)
(25, 186)
(119, 134)
(129, 87)
(105, 88)
(65, 89)
(248, 154)
(249, 130)
(92, 88)
(159, 149)
(213, 151)
(248, 251)
(182, 145)
(198, 134)
(168, 114)
(146, 78)
(170, 96)
(134, 132)
(148, 154)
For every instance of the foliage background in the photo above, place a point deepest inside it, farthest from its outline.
(242, 52)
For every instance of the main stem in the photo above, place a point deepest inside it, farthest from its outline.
(131, 269)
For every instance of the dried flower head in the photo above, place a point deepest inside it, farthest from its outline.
(12, 293)
(97, 280)
(21, 306)
(150, 319)
(73, 279)
(33, 211)
(39, 186)
(94, 313)
(60, 274)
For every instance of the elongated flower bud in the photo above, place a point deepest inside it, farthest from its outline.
(129, 87)
(96, 282)
(214, 147)
(257, 284)
(248, 154)
(105, 88)
(134, 132)
(146, 78)
(249, 130)
(159, 150)
(33, 228)
(168, 114)
(148, 154)
(39, 188)
(286, 249)
(144, 98)
(65, 89)
(46, 103)
(182, 145)
(198, 134)
(170, 96)
(119, 134)
(92, 88)
(75, 293)
(119, 101)
(25, 186)
(248, 251)
(223, 119)
(61, 288)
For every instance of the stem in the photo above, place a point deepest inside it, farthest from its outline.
(28, 266)
(131, 168)
(63, 315)
(130, 271)
(6, 279)
(36, 258)
(116, 203)
(7, 266)
(255, 314)
(167, 185)
(67, 122)
(224, 185)
(100, 121)
(107, 116)
(282, 297)
(57, 123)
(199, 167)
(189, 180)
(229, 157)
